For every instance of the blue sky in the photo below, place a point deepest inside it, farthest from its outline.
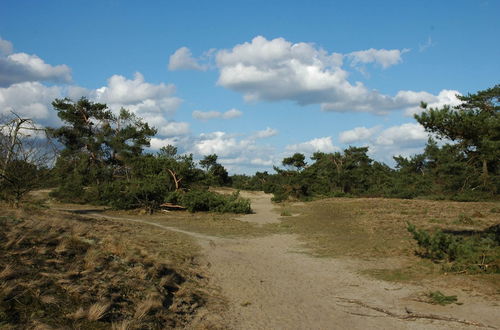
(253, 81)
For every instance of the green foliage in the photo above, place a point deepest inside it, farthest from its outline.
(208, 161)
(216, 173)
(286, 213)
(437, 297)
(464, 219)
(475, 126)
(98, 145)
(297, 161)
(19, 178)
(204, 200)
(470, 252)
(465, 170)
(138, 193)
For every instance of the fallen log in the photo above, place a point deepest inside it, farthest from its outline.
(171, 206)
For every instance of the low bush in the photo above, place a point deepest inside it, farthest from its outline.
(144, 193)
(469, 252)
(437, 297)
(204, 200)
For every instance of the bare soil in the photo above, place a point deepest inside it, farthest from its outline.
(321, 270)
(271, 279)
(271, 283)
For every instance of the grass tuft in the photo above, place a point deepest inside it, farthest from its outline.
(97, 311)
(438, 298)
(151, 303)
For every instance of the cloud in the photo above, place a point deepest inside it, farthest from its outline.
(408, 134)
(207, 115)
(173, 128)
(155, 103)
(182, 59)
(406, 139)
(445, 97)
(219, 143)
(239, 154)
(261, 162)
(22, 67)
(6, 47)
(30, 99)
(268, 132)
(357, 134)
(277, 70)
(382, 57)
(324, 144)
(139, 94)
(428, 44)
(157, 143)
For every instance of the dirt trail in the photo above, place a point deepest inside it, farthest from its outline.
(270, 284)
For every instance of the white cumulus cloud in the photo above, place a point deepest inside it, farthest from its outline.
(6, 47)
(407, 134)
(207, 115)
(445, 97)
(268, 132)
(276, 70)
(382, 57)
(324, 144)
(30, 99)
(220, 143)
(155, 103)
(22, 67)
(183, 59)
(357, 134)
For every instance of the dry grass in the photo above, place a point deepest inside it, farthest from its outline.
(123, 325)
(80, 313)
(7, 273)
(68, 271)
(213, 224)
(152, 302)
(376, 227)
(373, 231)
(97, 311)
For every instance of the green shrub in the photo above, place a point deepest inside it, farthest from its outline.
(286, 213)
(470, 252)
(437, 297)
(471, 196)
(146, 193)
(204, 200)
(464, 219)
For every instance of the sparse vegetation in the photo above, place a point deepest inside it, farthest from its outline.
(204, 200)
(286, 213)
(437, 297)
(70, 271)
(469, 252)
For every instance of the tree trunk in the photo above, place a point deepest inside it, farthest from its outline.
(485, 174)
(12, 144)
(174, 177)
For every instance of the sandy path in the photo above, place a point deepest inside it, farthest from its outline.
(269, 284)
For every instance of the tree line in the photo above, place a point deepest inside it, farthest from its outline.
(99, 157)
(463, 166)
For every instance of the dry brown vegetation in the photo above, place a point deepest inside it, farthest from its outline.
(67, 271)
(371, 227)
(375, 230)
